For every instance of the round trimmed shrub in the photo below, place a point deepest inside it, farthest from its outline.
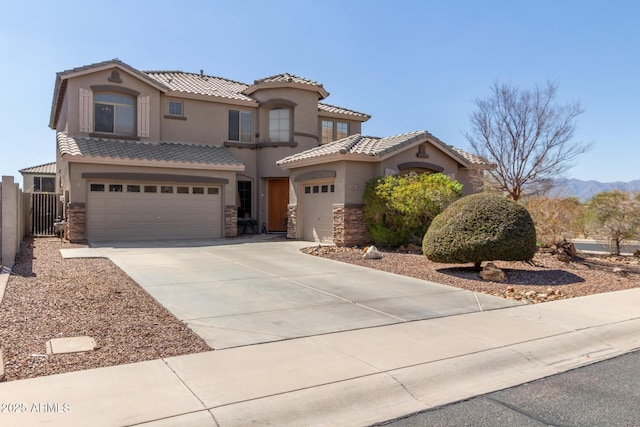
(481, 227)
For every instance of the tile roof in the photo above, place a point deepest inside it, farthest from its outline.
(201, 84)
(369, 147)
(45, 169)
(198, 84)
(286, 79)
(151, 151)
(326, 108)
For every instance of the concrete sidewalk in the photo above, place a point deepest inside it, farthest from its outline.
(347, 378)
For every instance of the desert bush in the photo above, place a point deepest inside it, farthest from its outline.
(616, 216)
(555, 218)
(399, 208)
(481, 227)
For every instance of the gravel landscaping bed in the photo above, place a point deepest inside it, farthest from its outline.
(50, 297)
(545, 279)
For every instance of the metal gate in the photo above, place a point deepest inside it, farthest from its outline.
(45, 208)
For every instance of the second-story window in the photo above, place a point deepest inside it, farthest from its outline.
(175, 108)
(240, 126)
(279, 124)
(327, 131)
(114, 113)
(332, 131)
(342, 130)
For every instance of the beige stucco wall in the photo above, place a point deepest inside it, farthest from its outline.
(206, 122)
(78, 189)
(305, 113)
(72, 112)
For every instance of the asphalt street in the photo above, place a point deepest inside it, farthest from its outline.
(603, 394)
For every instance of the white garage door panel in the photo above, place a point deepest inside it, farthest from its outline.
(317, 207)
(138, 216)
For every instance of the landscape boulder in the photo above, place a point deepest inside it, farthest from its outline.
(372, 253)
(492, 273)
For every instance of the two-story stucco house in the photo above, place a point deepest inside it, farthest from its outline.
(171, 154)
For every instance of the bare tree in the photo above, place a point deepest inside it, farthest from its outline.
(526, 135)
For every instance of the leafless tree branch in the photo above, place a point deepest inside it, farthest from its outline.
(526, 135)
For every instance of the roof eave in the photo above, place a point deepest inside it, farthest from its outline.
(354, 117)
(212, 98)
(275, 85)
(329, 158)
(150, 163)
(90, 69)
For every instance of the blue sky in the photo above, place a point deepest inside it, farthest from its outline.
(412, 65)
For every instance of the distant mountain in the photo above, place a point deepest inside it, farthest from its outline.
(584, 190)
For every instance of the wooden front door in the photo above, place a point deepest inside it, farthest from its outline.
(278, 189)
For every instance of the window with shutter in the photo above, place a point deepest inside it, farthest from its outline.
(86, 110)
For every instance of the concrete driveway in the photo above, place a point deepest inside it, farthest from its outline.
(254, 290)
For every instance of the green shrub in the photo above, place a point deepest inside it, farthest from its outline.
(399, 209)
(481, 227)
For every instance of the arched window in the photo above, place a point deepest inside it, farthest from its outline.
(114, 113)
(280, 124)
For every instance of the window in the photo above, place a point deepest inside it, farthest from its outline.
(44, 184)
(166, 189)
(97, 187)
(198, 190)
(240, 126)
(279, 124)
(114, 113)
(115, 188)
(150, 189)
(182, 190)
(175, 108)
(213, 191)
(133, 188)
(333, 131)
(342, 130)
(244, 199)
(327, 131)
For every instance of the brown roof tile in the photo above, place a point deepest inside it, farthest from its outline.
(152, 151)
(45, 169)
(369, 146)
(201, 84)
(326, 108)
(286, 79)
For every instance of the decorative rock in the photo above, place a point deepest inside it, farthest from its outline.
(410, 248)
(563, 257)
(620, 272)
(636, 253)
(492, 273)
(372, 253)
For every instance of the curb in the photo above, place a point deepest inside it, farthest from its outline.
(397, 392)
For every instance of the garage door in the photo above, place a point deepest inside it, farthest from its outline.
(317, 212)
(129, 211)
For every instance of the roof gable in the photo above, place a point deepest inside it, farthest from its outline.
(367, 148)
(63, 77)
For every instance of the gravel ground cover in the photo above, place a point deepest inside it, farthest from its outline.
(544, 279)
(50, 297)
